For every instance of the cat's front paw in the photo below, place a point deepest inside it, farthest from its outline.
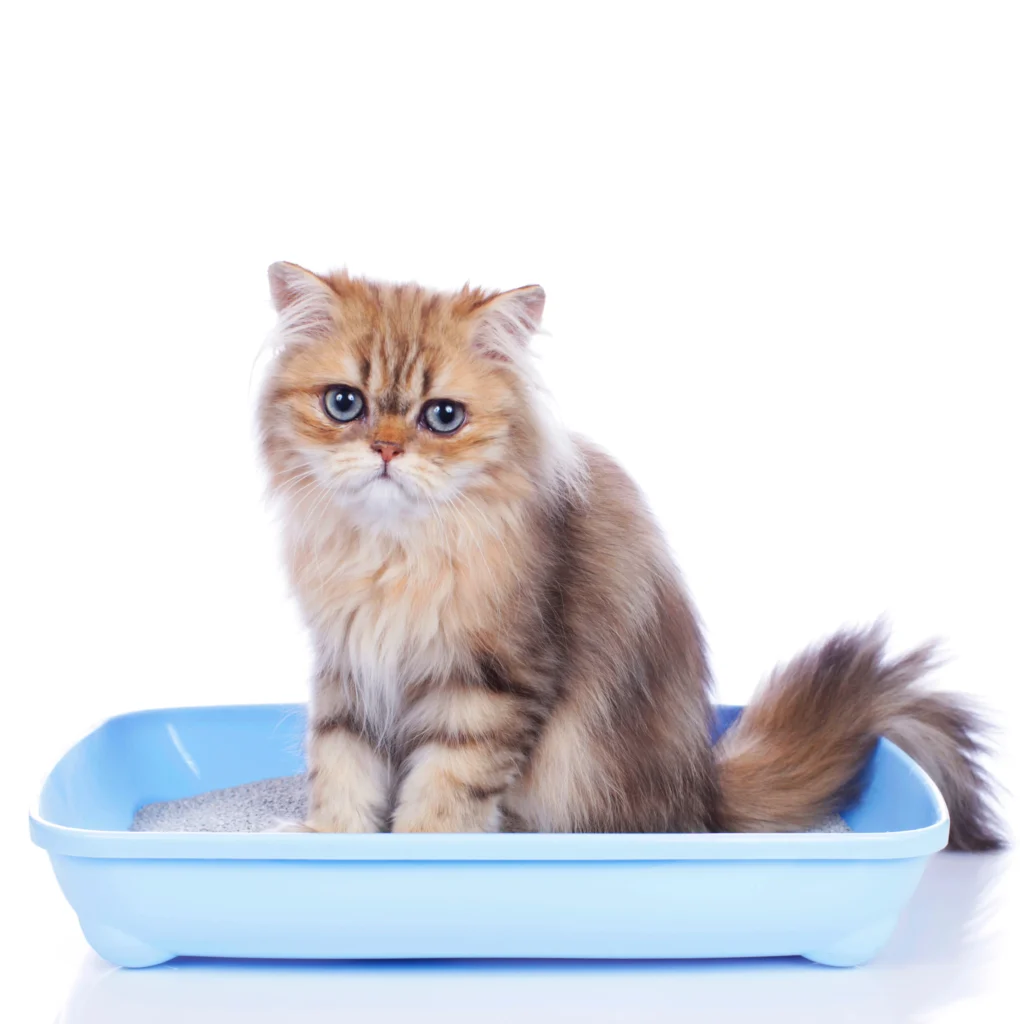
(447, 819)
(321, 824)
(292, 826)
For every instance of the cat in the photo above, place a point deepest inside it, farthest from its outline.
(502, 639)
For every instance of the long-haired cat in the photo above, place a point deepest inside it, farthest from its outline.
(503, 641)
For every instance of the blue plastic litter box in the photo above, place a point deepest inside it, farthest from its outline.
(145, 897)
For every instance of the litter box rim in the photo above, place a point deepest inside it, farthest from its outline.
(65, 840)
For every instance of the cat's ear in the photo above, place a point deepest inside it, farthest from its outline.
(505, 323)
(306, 303)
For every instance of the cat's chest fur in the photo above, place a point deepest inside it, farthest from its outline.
(387, 614)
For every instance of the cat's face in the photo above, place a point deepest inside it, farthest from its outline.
(393, 402)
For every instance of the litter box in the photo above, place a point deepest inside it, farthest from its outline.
(146, 897)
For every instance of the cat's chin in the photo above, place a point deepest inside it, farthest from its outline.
(384, 503)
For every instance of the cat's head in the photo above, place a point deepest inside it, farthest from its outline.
(396, 403)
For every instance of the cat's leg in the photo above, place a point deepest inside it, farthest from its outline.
(467, 741)
(349, 774)
(349, 778)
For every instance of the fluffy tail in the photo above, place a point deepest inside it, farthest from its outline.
(797, 752)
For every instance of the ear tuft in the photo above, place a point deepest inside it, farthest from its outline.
(506, 322)
(306, 303)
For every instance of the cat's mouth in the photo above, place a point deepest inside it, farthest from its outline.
(389, 481)
(384, 485)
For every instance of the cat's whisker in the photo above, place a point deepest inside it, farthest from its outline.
(483, 557)
(491, 529)
(323, 503)
(292, 484)
(297, 495)
(443, 529)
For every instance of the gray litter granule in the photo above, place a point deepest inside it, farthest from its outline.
(261, 806)
(254, 807)
(833, 823)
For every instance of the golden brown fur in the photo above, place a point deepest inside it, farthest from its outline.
(502, 638)
(796, 753)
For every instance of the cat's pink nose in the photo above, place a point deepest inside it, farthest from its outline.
(387, 449)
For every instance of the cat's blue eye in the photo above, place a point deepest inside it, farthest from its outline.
(443, 416)
(343, 403)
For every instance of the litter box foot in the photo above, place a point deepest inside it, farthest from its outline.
(123, 950)
(856, 948)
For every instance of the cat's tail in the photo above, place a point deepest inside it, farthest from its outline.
(796, 753)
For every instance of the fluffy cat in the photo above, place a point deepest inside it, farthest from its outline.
(503, 641)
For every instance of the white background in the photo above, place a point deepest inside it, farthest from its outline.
(782, 248)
